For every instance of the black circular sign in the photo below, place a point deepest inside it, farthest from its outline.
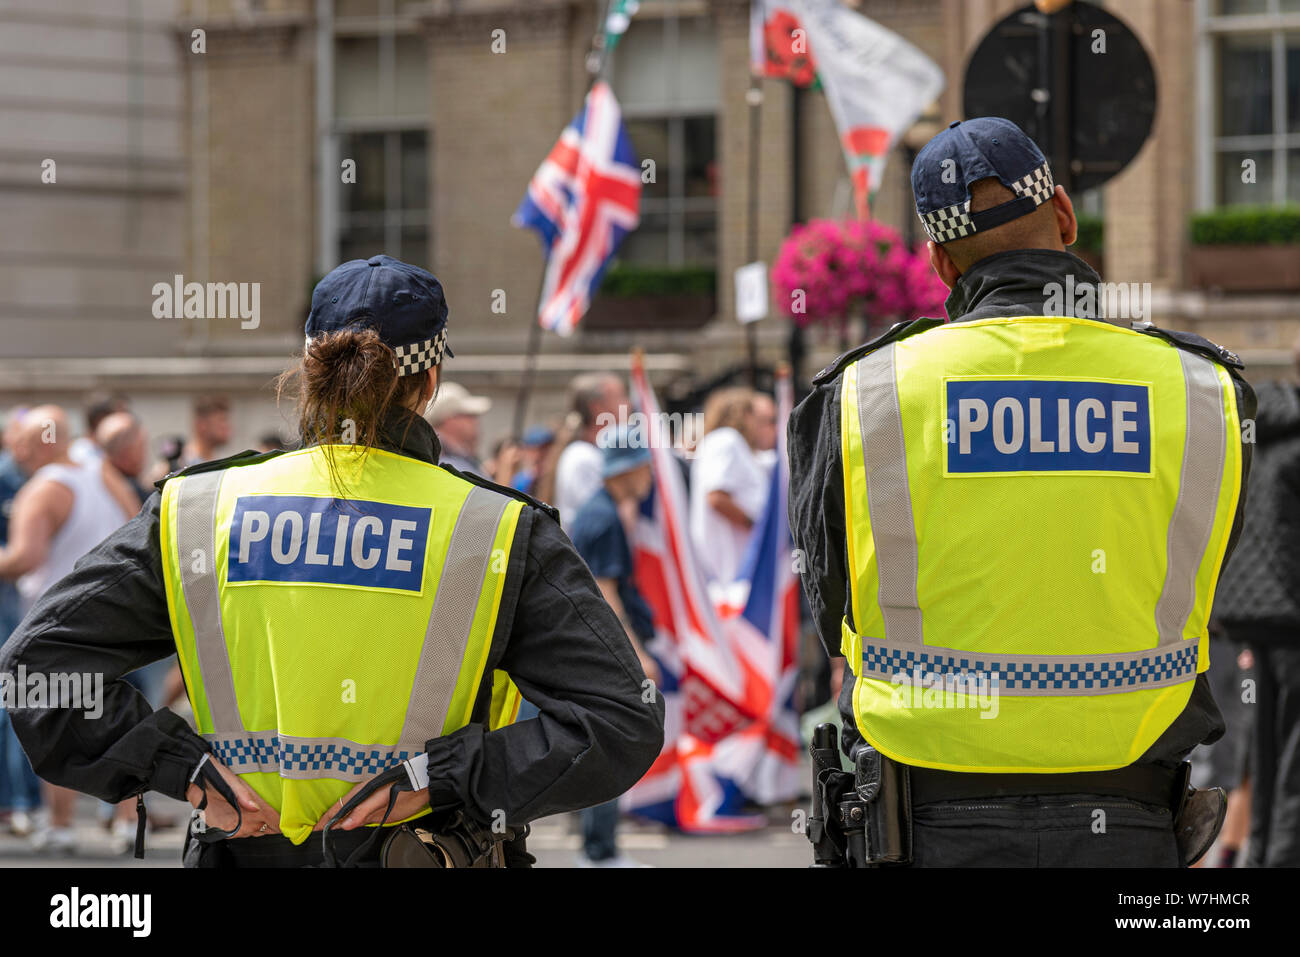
(1078, 82)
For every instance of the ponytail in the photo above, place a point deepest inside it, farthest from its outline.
(346, 385)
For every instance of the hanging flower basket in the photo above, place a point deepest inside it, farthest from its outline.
(830, 271)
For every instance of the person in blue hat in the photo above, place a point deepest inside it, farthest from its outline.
(533, 450)
(341, 610)
(1028, 503)
(601, 534)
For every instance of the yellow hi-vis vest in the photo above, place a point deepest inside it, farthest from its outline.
(328, 631)
(1037, 510)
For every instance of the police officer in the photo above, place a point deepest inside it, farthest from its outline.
(339, 610)
(1013, 525)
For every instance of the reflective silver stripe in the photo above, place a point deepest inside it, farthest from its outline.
(452, 618)
(446, 640)
(1030, 675)
(196, 540)
(1199, 484)
(308, 758)
(889, 501)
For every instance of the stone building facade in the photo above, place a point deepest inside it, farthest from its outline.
(213, 139)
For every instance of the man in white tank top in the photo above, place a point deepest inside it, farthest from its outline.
(63, 511)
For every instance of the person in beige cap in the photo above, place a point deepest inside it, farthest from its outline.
(454, 415)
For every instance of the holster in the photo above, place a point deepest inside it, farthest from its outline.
(1198, 817)
(858, 819)
(462, 843)
(877, 815)
(829, 785)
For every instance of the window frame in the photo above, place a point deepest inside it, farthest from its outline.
(677, 205)
(1276, 25)
(395, 216)
(385, 29)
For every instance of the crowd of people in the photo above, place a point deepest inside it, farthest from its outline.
(63, 489)
(596, 471)
(60, 495)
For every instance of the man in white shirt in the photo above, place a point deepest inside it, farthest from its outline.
(729, 485)
(596, 399)
(63, 511)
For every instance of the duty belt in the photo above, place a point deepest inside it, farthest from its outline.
(1150, 784)
(277, 850)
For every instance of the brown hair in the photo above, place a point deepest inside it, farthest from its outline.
(728, 407)
(205, 405)
(348, 376)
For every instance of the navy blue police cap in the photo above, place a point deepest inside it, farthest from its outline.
(979, 148)
(401, 302)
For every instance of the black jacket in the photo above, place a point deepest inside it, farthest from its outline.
(598, 731)
(1259, 594)
(1005, 284)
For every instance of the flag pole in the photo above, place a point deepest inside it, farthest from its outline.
(754, 97)
(596, 61)
(530, 363)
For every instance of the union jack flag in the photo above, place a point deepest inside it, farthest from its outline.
(583, 199)
(731, 734)
(765, 636)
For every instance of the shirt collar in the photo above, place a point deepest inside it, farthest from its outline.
(406, 433)
(1013, 283)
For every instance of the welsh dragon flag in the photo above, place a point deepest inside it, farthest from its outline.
(876, 83)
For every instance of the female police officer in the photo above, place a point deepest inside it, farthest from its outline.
(338, 610)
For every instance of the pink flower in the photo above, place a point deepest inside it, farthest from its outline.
(828, 270)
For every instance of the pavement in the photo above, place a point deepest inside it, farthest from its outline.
(555, 842)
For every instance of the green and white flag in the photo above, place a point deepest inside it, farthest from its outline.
(876, 85)
(620, 15)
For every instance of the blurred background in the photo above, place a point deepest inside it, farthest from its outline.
(209, 165)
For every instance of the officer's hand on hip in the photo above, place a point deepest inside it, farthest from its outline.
(371, 810)
(259, 819)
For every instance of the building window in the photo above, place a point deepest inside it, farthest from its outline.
(381, 123)
(1253, 52)
(679, 209)
(387, 210)
(665, 74)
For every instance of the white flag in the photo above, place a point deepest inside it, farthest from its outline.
(876, 83)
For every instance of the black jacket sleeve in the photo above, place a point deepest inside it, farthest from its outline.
(105, 619)
(601, 722)
(816, 509)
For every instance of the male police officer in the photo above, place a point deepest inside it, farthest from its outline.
(1013, 526)
(339, 610)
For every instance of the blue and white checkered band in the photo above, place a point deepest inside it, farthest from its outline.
(416, 357)
(419, 356)
(1037, 184)
(268, 752)
(949, 223)
(954, 222)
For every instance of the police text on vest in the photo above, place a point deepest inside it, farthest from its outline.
(1047, 425)
(300, 538)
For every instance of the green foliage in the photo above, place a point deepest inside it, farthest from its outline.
(628, 281)
(1246, 226)
(1092, 233)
